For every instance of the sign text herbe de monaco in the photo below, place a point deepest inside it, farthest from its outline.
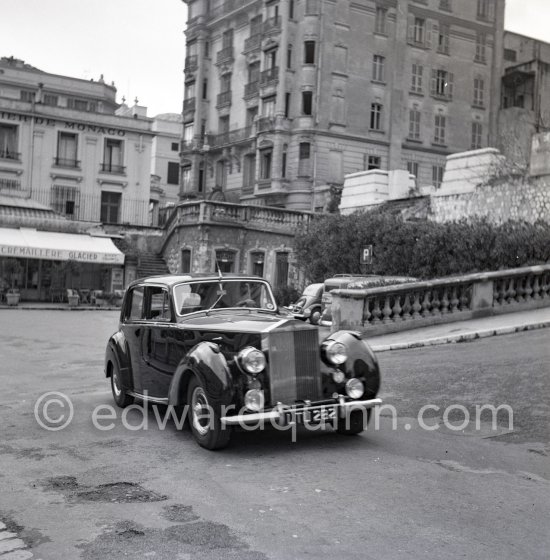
(58, 254)
(82, 127)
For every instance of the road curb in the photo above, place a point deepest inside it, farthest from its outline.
(456, 338)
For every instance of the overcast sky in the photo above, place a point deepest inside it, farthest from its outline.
(139, 44)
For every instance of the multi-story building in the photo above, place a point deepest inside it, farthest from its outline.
(285, 97)
(525, 99)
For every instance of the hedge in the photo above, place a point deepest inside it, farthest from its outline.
(421, 249)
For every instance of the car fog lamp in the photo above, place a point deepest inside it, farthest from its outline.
(336, 352)
(252, 360)
(354, 388)
(338, 376)
(254, 400)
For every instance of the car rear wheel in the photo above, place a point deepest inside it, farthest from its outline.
(120, 397)
(354, 423)
(315, 317)
(204, 421)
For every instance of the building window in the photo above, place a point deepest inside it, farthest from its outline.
(251, 115)
(312, 7)
(439, 129)
(174, 146)
(442, 84)
(255, 26)
(66, 150)
(380, 22)
(112, 156)
(309, 52)
(223, 124)
(443, 39)
(221, 174)
(50, 100)
(287, 104)
(281, 270)
(205, 88)
(376, 116)
(437, 175)
(291, 9)
(510, 55)
(413, 168)
(185, 264)
(374, 162)
(189, 92)
(479, 86)
(227, 39)
(77, 104)
(172, 176)
(477, 133)
(249, 170)
(378, 63)
(225, 83)
(188, 132)
(266, 157)
(307, 102)
(27, 96)
(268, 107)
(65, 200)
(481, 43)
(485, 10)
(417, 75)
(414, 124)
(257, 259)
(304, 159)
(419, 31)
(289, 57)
(8, 142)
(283, 163)
(110, 207)
(445, 5)
(225, 260)
(186, 179)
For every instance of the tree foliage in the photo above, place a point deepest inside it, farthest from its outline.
(421, 249)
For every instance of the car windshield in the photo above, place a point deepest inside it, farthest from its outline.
(220, 294)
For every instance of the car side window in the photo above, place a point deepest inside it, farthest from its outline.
(134, 311)
(157, 304)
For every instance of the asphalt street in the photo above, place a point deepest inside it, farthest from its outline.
(410, 487)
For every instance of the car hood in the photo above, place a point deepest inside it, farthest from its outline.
(242, 322)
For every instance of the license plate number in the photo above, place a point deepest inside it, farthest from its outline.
(315, 415)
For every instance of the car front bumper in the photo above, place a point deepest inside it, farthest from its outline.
(281, 413)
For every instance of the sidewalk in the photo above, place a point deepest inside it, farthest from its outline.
(463, 330)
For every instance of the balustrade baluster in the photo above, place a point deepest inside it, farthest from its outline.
(520, 290)
(454, 300)
(396, 309)
(511, 292)
(464, 300)
(528, 288)
(435, 303)
(367, 315)
(536, 288)
(426, 306)
(544, 286)
(376, 312)
(416, 307)
(406, 308)
(387, 310)
(445, 301)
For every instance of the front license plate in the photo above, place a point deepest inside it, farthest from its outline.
(312, 416)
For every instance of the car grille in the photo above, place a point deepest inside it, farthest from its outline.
(294, 367)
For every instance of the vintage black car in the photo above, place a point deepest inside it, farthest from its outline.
(308, 305)
(219, 348)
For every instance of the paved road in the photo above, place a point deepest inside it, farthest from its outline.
(398, 491)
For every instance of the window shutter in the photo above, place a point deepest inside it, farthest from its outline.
(450, 84)
(433, 82)
(410, 28)
(429, 31)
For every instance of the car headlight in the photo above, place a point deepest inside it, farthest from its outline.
(254, 400)
(354, 388)
(335, 352)
(251, 360)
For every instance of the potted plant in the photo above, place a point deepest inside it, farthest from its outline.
(13, 269)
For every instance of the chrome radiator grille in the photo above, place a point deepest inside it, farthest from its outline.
(294, 368)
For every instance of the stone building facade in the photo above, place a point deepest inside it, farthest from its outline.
(283, 98)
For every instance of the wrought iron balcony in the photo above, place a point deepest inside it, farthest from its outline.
(265, 123)
(225, 55)
(189, 104)
(8, 154)
(270, 75)
(251, 89)
(224, 98)
(113, 168)
(230, 137)
(66, 162)
(191, 62)
(272, 24)
(253, 42)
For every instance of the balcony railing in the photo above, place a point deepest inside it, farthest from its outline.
(270, 75)
(8, 154)
(189, 104)
(230, 137)
(225, 55)
(191, 62)
(265, 124)
(251, 89)
(272, 24)
(226, 7)
(253, 42)
(113, 168)
(224, 98)
(66, 162)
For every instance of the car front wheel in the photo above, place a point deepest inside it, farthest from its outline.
(315, 317)
(353, 423)
(120, 397)
(204, 421)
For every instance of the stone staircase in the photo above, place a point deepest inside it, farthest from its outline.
(151, 264)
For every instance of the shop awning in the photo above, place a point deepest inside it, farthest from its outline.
(54, 246)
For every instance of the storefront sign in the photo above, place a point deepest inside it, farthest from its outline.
(43, 121)
(60, 255)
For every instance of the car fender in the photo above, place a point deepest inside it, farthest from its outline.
(361, 363)
(117, 352)
(208, 364)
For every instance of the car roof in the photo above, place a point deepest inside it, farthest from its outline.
(173, 279)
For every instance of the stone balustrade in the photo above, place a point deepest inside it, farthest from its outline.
(418, 304)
